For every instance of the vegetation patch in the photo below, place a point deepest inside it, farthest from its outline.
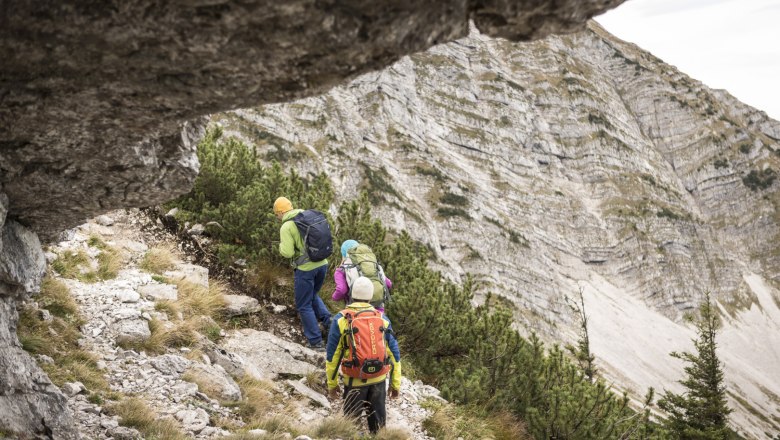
(336, 426)
(452, 199)
(449, 422)
(58, 339)
(721, 163)
(430, 171)
(378, 184)
(449, 211)
(758, 180)
(158, 260)
(135, 413)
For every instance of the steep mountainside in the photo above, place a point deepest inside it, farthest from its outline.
(577, 162)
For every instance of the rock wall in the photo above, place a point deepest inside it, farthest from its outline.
(29, 403)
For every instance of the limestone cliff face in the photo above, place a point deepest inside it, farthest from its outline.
(574, 162)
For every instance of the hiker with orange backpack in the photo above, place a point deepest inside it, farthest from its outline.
(361, 341)
(358, 260)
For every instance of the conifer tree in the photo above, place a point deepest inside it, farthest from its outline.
(701, 412)
(581, 352)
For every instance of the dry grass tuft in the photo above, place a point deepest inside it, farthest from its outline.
(195, 299)
(158, 260)
(450, 422)
(77, 265)
(168, 307)
(205, 386)
(392, 434)
(55, 297)
(336, 426)
(267, 279)
(72, 264)
(134, 413)
(182, 334)
(257, 400)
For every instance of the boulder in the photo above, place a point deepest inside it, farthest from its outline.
(237, 305)
(189, 272)
(124, 433)
(127, 296)
(304, 390)
(157, 292)
(269, 356)
(132, 331)
(215, 382)
(104, 220)
(232, 363)
(193, 420)
(170, 364)
(72, 388)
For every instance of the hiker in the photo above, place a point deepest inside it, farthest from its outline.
(352, 255)
(308, 252)
(366, 361)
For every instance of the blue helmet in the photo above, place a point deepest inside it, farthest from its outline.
(346, 246)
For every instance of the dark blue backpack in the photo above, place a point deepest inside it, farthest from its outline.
(315, 234)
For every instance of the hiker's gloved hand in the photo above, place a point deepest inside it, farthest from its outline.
(334, 393)
(394, 393)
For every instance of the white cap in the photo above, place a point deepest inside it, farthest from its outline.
(362, 289)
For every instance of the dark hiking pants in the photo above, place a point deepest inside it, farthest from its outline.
(370, 398)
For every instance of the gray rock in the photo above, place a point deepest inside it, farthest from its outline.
(172, 213)
(45, 315)
(215, 382)
(197, 229)
(189, 272)
(304, 390)
(267, 356)
(193, 420)
(43, 359)
(170, 364)
(108, 424)
(185, 389)
(157, 292)
(126, 313)
(72, 388)
(128, 296)
(257, 431)
(232, 363)
(131, 331)
(237, 305)
(303, 437)
(124, 433)
(104, 220)
(22, 264)
(279, 308)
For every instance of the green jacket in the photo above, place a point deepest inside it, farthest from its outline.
(291, 243)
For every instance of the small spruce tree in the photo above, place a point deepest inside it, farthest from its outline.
(701, 412)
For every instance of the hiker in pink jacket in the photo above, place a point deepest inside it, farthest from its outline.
(346, 274)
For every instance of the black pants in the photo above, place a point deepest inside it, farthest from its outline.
(370, 398)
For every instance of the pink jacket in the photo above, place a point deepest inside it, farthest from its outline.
(342, 287)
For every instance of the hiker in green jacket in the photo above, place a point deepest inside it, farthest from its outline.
(309, 276)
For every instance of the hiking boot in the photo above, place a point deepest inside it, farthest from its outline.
(320, 347)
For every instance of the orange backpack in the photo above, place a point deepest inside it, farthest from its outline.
(365, 339)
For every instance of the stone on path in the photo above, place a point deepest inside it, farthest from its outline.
(267, 356)
(237, 305)
(130, 331)
(157, 292)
